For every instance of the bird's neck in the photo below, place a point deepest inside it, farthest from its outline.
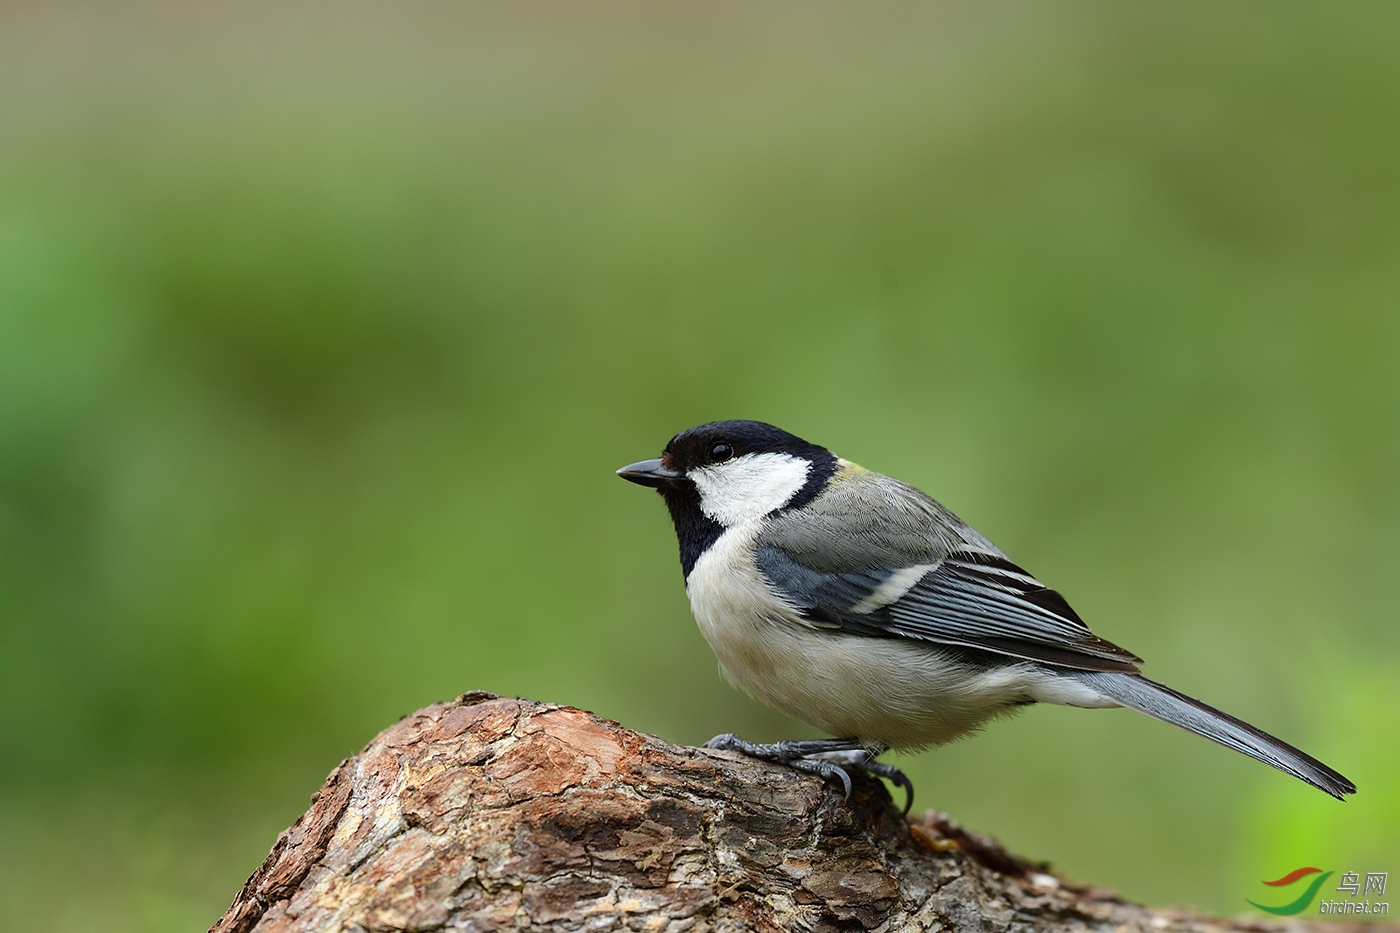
(695, 530)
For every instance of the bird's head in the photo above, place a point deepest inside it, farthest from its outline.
(736, 471)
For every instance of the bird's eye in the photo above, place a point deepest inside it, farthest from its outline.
(720, 452)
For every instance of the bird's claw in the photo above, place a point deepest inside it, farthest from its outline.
(824, 768)
(820, 757)
(894, 776)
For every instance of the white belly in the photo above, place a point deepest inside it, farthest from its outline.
(897, 692)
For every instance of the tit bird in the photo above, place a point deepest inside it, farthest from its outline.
(857, 604)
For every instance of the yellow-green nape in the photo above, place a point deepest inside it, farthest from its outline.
(845, 470)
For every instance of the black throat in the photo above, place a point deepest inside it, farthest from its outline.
(695, 530)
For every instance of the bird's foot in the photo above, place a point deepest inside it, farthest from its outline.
(894, 776)
(824, 757)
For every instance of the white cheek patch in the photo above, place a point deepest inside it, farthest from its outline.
(749, 487)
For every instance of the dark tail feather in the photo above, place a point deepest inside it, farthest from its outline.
(1164, 703)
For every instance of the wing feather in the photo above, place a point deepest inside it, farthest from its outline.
(917, 571)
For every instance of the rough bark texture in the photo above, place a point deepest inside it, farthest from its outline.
(489, 813)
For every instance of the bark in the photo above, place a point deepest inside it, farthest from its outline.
(489, 813)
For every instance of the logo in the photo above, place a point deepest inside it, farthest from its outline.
(1351, 885)
(1304, 900)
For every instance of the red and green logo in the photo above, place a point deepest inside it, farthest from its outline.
(1304, 899)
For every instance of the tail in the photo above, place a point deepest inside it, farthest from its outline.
(1164, 703)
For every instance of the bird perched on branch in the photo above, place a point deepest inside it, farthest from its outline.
(857, 604)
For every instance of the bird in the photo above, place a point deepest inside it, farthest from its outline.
(861, 606)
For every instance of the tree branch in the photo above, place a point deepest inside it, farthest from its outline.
(489, 813)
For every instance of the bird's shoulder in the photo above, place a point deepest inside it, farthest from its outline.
(867, 520)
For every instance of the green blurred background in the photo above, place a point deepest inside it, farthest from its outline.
(323, 327)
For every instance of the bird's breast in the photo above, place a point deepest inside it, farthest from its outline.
(740, 614)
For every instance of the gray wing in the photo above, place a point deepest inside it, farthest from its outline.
(875, 557)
